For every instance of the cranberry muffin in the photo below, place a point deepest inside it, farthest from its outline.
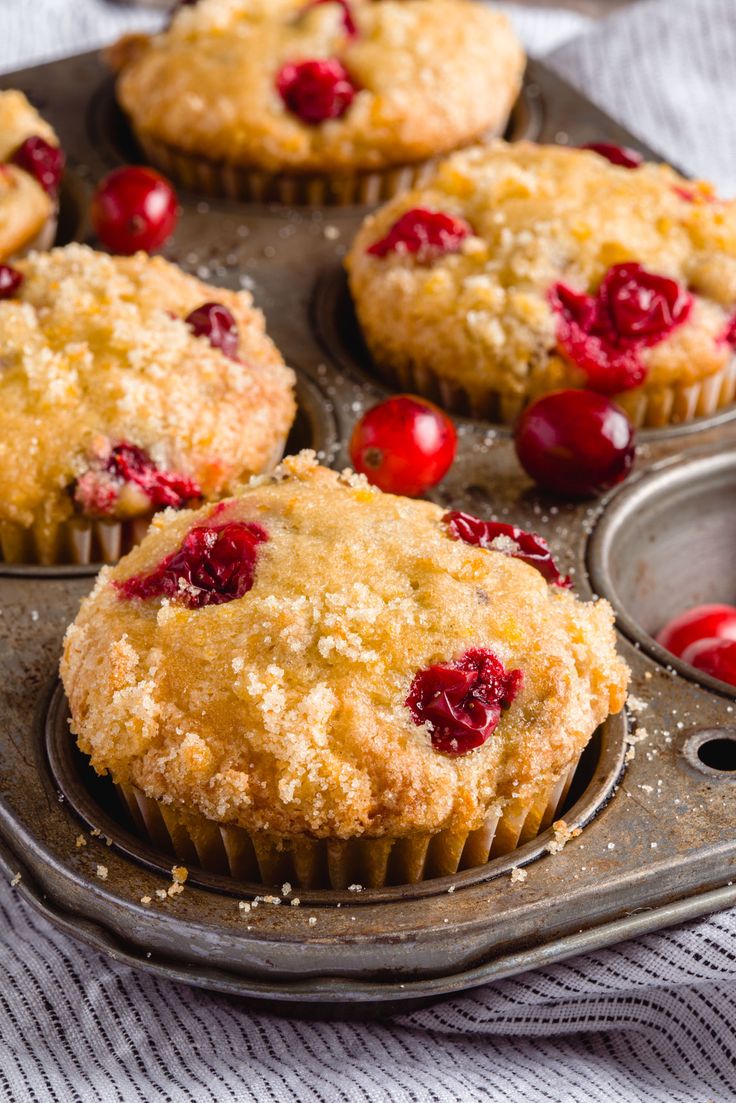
(317, 100)
(317, 682)
(31, 165)
(126, 386)
(521, 269)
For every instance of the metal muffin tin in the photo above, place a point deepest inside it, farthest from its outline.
(654, 795)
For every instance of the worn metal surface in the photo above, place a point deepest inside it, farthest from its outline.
(661, 846)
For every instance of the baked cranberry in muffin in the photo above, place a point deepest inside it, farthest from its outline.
(31, 167)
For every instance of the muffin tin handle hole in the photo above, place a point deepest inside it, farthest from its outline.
(712, 751)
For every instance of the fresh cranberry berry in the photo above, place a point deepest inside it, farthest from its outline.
(10, 281)
(604, 334)
(618, 155)
(423, 232)
(716, 657)
(215, 322)
(42, 161)
(131, 464)
(348, 20)
(701, 622)
(316, 91)
(134, 208)
(461, 701)
(214, 565)
(403, 445)
(575, 443)
(494, 536)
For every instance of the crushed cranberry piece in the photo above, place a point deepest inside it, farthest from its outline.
(44, 162)
(618, 155)
(348, 21)
(604, 334)
(316, 91)
(462, 700)
(424, 232)
(10, 281)
(131, 464)
(215, 322)
(215, 564)
(729, 333)
(513, 541)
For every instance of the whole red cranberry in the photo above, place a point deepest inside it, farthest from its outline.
(215, 564)
(575, 443)
(348, 20)
(316, 91)
(133, 208)
(495, 536)
(604, 333)
(10, 281)
(423, 232)
(462, 700)
(215, 322)
(618, 155)
(702, 622)
(43, 161)
(403, 445)
(716, 657)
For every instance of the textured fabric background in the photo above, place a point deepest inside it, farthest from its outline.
(651, 1020)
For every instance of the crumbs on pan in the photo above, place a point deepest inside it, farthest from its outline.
(562, 834)
(518, 875)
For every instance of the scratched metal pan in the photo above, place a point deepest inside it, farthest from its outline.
(654, 796)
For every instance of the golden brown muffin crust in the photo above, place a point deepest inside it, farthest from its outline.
(95, 347)
(543, 214)
(284, 711)
(24, 206)
(433, 74)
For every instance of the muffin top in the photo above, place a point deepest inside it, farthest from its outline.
(111, 404)
(25, 205)
(525, 267)
(384, 83)
(276, 663)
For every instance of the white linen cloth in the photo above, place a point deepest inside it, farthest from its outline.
(651, 1020)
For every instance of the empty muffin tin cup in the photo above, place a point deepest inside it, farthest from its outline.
(665, 544)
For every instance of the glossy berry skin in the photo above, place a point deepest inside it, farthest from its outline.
(215, 563)
(134, 208)
(215, 322)
(715, 657)
(575, 443)
(425, 234)
(462, 700)
(700, 623)
(618, 155)
(404, 445)
(604, 333)
(508, 539)
(10, 281)
(42, 161)
(316, 91)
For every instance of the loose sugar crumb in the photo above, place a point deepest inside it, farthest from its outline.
(101, 872)
(244, 906)
(80, 841)
(145, 899)
(562, 834)
(15, 880)
(355, 888)
(518, 875)
(312, 920)
(179, 874)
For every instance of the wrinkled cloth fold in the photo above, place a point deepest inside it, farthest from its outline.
(650, 1020)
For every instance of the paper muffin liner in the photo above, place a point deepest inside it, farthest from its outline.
(648, 408)
(77, 542)
(81, 540)
(336, 863)
(338, 189)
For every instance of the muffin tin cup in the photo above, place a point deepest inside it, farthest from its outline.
(648, 408)
(339, 864)
(80, 541)
(248, 184)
